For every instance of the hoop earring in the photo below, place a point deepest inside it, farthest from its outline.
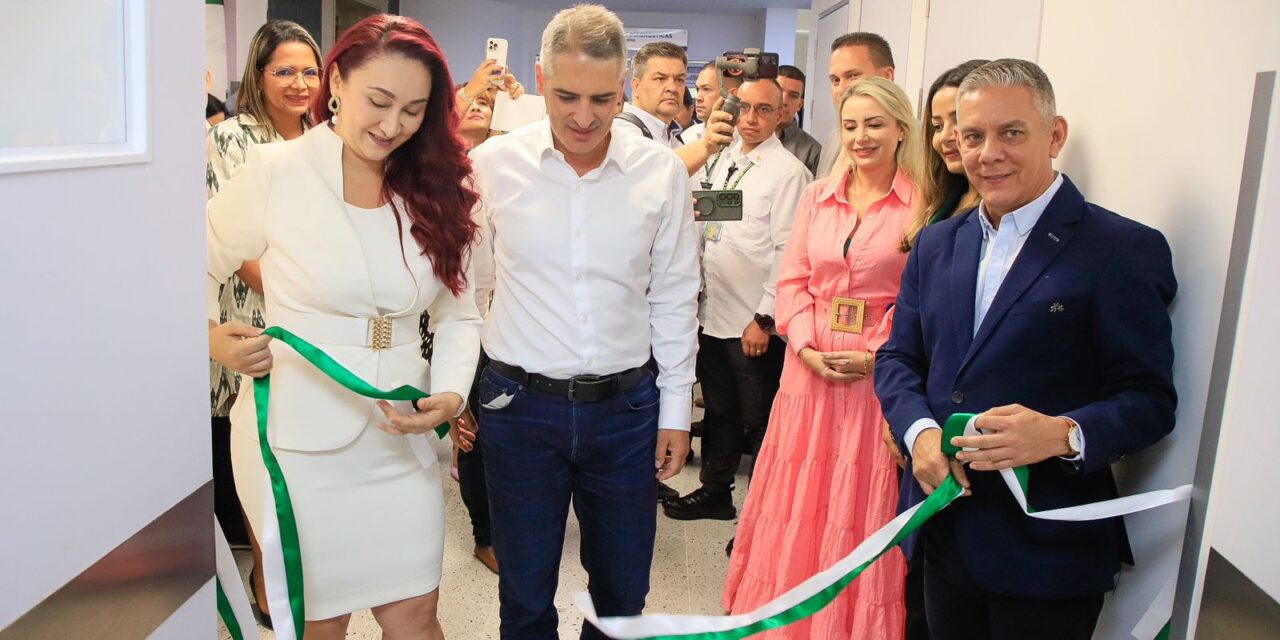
(334, 105)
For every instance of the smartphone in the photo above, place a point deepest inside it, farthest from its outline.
(718, 206)
(496, 49)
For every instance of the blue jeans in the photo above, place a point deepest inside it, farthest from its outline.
(541, 452)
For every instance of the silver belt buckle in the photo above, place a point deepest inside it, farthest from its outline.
(380, 330)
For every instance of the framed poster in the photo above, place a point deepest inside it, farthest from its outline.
(76, 84)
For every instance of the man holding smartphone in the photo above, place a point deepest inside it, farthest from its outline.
(739, 357)
(595, 260)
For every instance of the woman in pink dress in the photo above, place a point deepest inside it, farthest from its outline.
(824, 480)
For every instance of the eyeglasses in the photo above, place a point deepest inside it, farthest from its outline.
(762, 110)
(286, 75)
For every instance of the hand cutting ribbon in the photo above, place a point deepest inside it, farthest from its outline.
(813, 594)
(282, 558)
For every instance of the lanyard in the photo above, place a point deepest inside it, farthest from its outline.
(706, 184)
(741, 174)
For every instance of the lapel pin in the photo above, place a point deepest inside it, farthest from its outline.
(1056, 308)
(1054, 238)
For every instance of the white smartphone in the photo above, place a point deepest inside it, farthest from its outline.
(496, 49)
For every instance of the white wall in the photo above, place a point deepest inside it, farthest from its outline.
(105, 384)
(462, 28)
(780, 34)
(1242, 520)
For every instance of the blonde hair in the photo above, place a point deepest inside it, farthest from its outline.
(251, 99)
(909, 157)
(585, 28)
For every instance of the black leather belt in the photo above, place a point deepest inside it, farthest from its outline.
(576, 389)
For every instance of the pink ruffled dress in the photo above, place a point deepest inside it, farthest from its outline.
(824, 480)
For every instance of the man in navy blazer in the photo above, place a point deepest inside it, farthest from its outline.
(1049, 316)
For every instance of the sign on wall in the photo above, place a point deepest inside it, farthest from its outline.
(637, 38)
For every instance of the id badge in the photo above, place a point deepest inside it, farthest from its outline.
(712, 231)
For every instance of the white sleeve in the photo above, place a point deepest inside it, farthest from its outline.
(236, 220)
(673, 304)
(782, 213)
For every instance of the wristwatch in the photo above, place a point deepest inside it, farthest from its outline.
(765, 322)
(1073, 436)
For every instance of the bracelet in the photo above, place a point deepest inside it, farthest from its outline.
(866, 364)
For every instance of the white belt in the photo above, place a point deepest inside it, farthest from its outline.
(375, 333)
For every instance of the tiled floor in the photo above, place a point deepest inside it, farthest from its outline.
(688, 569)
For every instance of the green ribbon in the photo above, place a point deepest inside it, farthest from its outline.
(955, 426)
(945, 494)
(288, 524)
(224, 610)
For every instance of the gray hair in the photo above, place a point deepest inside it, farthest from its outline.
(1011, 72)
(585, 28)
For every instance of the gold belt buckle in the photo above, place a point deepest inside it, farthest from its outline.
(380, 333)
(847, 314)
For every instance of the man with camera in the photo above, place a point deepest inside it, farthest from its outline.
(706, 94)
(740, 358)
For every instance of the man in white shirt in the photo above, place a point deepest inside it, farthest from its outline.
(740, 358)
(854, 56)
(595, 257)
(706, 93)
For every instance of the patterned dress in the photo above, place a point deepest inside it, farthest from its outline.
(227, 144)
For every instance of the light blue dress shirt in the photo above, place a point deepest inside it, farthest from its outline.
(1000, 248)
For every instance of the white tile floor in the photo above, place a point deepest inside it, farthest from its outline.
(688, 569)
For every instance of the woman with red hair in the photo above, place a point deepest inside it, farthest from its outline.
(359, 226)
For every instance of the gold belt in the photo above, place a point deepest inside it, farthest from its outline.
(847, 314)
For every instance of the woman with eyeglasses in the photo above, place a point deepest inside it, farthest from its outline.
(280, 78)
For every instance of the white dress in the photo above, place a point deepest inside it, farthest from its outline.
(370, 517)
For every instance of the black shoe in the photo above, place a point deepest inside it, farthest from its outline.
(728, 548)
(701, 505)
(666, 493)
(263, 617)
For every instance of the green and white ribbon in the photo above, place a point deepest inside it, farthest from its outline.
(281, 555)
(813, 594)
(233, 604)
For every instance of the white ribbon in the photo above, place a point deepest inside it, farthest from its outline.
(232, 586)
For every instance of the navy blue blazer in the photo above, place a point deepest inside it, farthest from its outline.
(1080, 327)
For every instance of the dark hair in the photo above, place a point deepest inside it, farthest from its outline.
(881, 54)
(214, 106)
(688, 98)
(788, 71)
(656, 50)
(430, 172)
(269, 37)
(939, 186)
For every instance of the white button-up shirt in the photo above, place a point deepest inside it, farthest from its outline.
(741, 258)
(661, 131)
(592, 273)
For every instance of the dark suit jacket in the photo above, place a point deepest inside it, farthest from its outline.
(1080, 328)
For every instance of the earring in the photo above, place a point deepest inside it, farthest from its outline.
(334, 105)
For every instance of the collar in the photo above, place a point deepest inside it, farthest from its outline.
(836, 186)
(1024, 218)
(760, 153)
(546, 148)
(657, 127)
(789, 130)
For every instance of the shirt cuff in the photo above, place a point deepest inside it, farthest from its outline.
(914, 432)
(1079, 457)
(675, 411)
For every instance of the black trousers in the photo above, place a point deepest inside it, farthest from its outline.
(958, 609)
(471, 483)
(226, 504)
(738, 393)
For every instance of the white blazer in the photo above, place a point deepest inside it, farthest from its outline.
(286, 209)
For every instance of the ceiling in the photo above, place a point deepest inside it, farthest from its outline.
(673, 6)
